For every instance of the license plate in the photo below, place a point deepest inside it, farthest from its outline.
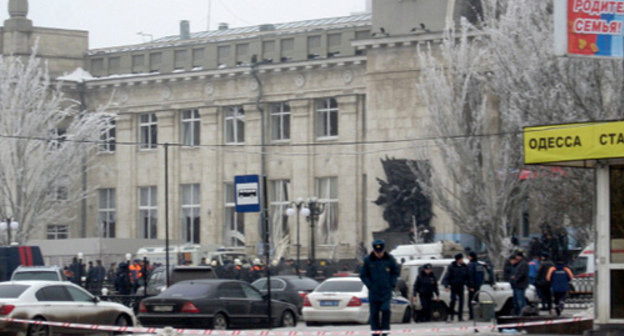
(329, 303)
(163, 308)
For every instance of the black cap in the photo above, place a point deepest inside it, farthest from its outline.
(472, 255)
(427, 266)
(378, 245)
(459, 256)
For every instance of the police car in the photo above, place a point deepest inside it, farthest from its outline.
(500, 293)
(345, 300)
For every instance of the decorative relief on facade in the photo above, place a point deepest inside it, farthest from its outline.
(208, 89)
(165, 92)
(253, 85)
(347, 76)
(123, 96)
(299, 80)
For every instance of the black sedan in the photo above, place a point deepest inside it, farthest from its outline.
(214, 304)
(288, 288)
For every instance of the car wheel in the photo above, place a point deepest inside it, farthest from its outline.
(439, 312)
(407, 315)
(288, 319)
(220, 322)
(122, 321)
(38, 329)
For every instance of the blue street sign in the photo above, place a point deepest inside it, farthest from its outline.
(247, 193)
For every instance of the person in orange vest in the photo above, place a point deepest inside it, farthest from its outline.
(135, 274)
(559, 277)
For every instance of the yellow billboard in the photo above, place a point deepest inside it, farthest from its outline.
(573, 142)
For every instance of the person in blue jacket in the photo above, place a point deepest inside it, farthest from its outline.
(559, 277)
(379, 272)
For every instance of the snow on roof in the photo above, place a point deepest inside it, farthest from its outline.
(244, 32)
(79, 75)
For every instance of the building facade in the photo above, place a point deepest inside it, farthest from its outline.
(315, 105)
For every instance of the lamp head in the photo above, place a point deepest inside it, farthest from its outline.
(305, 212)
(14, 225)
(290, 212)
(3, 226)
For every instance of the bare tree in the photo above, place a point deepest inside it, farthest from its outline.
(482, 84)
(476, 184)
(46, 142)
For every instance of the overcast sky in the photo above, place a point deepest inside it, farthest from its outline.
(117, 22)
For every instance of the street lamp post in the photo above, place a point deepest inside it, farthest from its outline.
(299, 204)
(9, 226)
(316, 208)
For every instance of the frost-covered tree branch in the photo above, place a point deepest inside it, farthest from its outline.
(481, 85)
(46, 142)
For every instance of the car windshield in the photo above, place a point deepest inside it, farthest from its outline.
(304, 283)
(261, 284)
(12, 291)
(340, 286)
(187, 290)
(36, 275)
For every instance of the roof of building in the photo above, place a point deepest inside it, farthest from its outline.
(357, 20)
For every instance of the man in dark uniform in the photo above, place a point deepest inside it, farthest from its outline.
(478, 274)
(426, 285)
(379, 273)
(456, 278)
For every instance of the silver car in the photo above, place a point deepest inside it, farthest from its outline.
(56, 301)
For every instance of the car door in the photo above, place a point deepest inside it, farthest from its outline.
(89, 311)
(258, 306)
(234, 301)
(55, 304)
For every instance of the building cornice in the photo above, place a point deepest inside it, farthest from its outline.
(157, 78)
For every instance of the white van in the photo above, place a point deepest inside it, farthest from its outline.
(501, 293)
(437, 250)
(583, 268)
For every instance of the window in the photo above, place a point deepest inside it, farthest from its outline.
(327, 193)
(234, 125)
(57, 137)
(287, 47)
(106, 213)
(53, 293)
(148, 216)
(326, 118)
(280, 121)
(279, 202)
(268, 50)
(58, 232)
(138, 62)
(198, 57)
(234, 221)
(190, 213)
(148, 131)
(231, 290)
(59, 190)
(251, 293)
(362, 34)
(97, 66)
(107, 138)
(242, 53)
(79, 295)
(190, 127)
(155, 60)
(223, 55)
(114, 65)
(314, 46)
(334, 41)
(179, 59)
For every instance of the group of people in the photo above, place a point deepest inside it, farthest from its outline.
(553, 243)
(125, 278)
(380, 272)
(91, 277)
(550, 280)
